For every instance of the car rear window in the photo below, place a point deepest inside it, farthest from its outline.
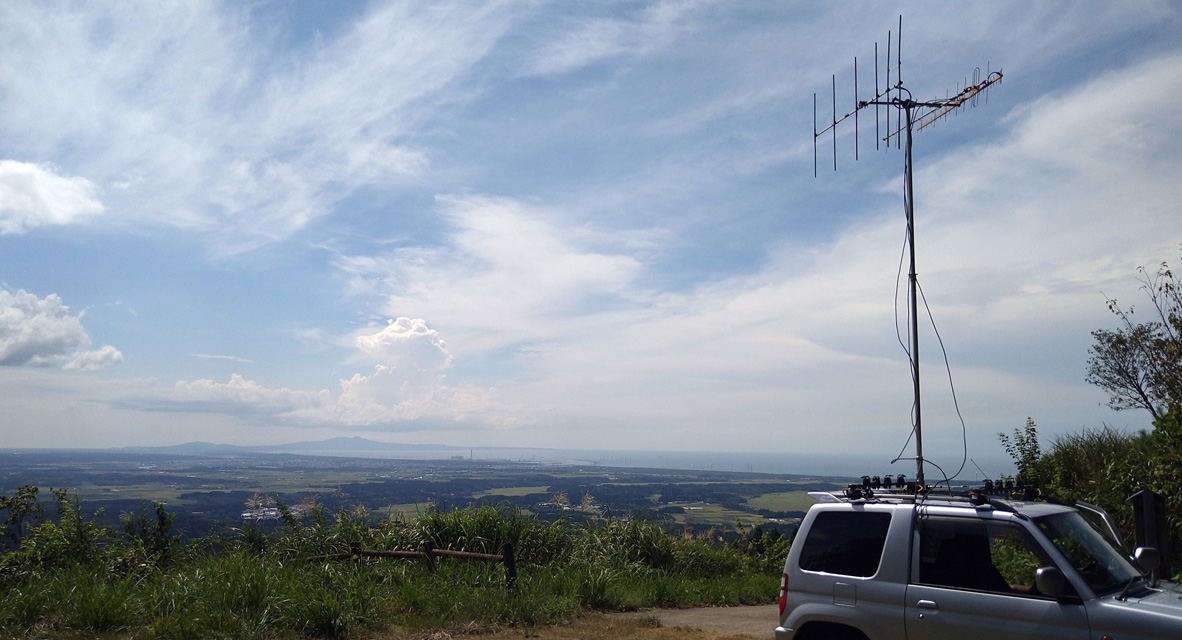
(845, 542)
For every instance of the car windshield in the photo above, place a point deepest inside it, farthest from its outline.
(1098, 562)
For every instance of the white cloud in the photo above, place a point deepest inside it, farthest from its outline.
(600, 312)
(210, 356)
(188, 121)
(94, 360)
(1019, 236)
(405, 343)
(1059, 212)
(595, 39)
(239, 395)
(511, 272)
(42, 333)
(34, 195)
(407, 388)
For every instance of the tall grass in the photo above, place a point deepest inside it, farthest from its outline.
(252, 584)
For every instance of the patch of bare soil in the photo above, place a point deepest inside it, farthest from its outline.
(711, 623)
(744, 622)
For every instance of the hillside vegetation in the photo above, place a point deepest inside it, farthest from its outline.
(69, 576)
(1139, 365)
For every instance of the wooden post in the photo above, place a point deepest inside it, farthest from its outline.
(1149, 520)
(510, 561)
(428, 552)
(330, 557)
(377, 553)
(429, 555)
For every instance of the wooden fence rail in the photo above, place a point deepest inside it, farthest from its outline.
(429, 553)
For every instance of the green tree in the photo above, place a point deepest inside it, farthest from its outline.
(21, 506)
(1140, 364)
(152, 532)
(1024, 449)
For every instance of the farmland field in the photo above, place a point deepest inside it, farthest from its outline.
(783, 501)
(206, 492)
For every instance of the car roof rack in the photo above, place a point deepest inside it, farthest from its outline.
(874, 489)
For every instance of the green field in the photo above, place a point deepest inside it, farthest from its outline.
(717, 516)
(783, 501)
(511, 491)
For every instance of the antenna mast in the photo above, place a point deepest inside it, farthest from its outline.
(911, 116)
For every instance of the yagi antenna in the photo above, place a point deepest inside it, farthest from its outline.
(910, 116)
(894, 94)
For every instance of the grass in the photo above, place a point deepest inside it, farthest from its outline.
(73, 579)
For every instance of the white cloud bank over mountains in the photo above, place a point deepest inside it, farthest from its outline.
(406, 389)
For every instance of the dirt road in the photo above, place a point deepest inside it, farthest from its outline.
(717, 623)
(753, 622)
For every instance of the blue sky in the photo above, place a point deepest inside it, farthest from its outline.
(575, 225)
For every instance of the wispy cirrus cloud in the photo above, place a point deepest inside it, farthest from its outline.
(209, 356)
(189, 123)
(596, 38)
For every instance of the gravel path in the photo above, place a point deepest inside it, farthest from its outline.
(752, 622)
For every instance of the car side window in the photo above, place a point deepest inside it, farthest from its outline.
(845, 543)
(977, 554)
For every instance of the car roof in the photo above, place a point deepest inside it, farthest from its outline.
(1038, 509)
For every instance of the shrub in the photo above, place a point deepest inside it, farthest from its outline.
(1105, 467)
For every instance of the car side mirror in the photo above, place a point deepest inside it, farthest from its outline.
(1050, 582)
(1148, 558)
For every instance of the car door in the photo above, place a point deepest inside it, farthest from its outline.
(973, 579)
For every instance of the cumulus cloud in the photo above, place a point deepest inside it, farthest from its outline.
(407, 384)
(39, 332)
(406, 389)
(405, 343)
(95, 360)
(33, 195)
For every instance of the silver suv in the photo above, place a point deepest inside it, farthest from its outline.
(867, 567)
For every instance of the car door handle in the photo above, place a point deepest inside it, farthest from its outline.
(926, 606)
